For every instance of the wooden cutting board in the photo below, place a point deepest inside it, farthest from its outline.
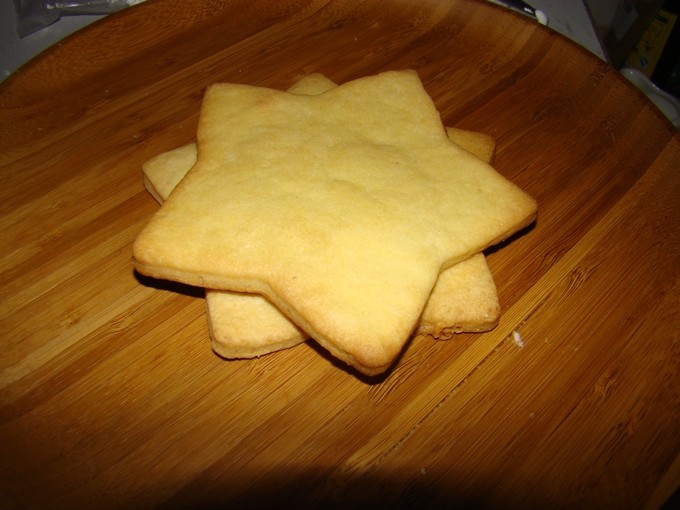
(110, 394)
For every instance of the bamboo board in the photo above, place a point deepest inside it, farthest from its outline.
(110, 395)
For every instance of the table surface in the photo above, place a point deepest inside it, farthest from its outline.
(110, 394)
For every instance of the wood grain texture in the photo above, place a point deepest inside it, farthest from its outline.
(109, 393)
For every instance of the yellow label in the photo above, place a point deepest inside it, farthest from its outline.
(646, 53)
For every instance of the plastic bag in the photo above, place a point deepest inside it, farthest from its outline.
(33, 15)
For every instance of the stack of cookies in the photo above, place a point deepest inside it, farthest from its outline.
(346, 214)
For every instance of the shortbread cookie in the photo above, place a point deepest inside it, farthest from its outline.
(341, 208)
(248, 325)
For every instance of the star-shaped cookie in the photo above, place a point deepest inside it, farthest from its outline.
(342, 209)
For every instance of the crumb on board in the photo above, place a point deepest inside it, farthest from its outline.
(517, 338)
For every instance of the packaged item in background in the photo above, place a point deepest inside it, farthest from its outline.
(667, 71)
(648, 50)
(33, 15)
